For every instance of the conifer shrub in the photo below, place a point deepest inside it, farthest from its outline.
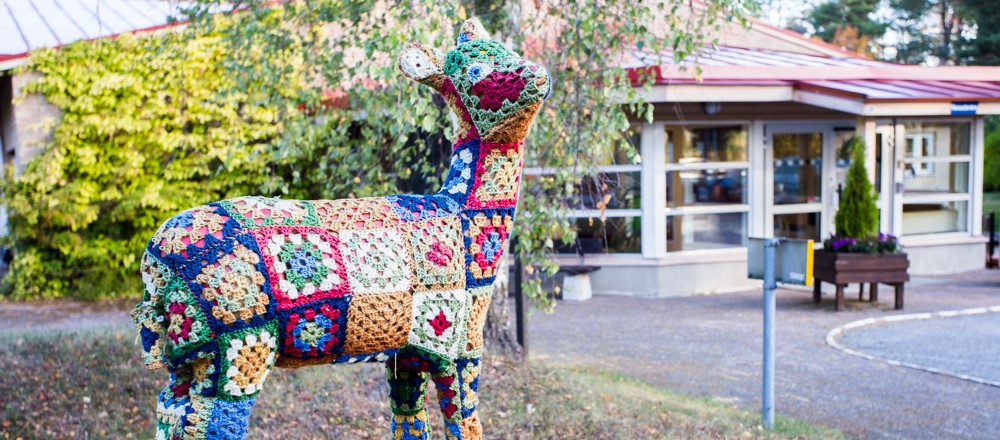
(857, 220)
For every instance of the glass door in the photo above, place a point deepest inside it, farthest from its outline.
(796, 192)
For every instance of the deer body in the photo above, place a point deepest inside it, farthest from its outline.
(236, 287)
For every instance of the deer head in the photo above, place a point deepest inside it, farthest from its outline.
(493, 93)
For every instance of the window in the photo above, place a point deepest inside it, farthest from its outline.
(613, 193)
(607, 207)
(706, 187)
(936, 177)
(920, 145)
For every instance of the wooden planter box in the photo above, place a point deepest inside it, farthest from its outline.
(842, 269)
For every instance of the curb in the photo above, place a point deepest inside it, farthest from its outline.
(831, 339)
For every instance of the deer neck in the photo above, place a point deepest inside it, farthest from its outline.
(484, 175)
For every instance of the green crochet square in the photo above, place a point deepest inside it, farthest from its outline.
(248, 355)
(439, 321)
(257, 212)
(185, 325)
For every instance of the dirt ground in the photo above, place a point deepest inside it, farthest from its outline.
(711, 346)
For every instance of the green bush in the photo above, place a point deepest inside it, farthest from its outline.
(152, 125)
(991, 168)
(142, 136)
(857, 214)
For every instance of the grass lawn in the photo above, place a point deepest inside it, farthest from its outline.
(991, 203)
(92, 385)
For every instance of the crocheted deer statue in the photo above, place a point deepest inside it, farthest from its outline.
(236, 287)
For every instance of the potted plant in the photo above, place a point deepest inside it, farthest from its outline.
(857, 252)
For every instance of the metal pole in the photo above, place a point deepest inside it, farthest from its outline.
(520, 304)
(767, 410)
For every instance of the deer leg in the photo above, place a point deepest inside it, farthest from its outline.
(247, 358)
(458, 396)
(184, 408)
(408, 399)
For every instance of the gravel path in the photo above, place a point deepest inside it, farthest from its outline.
(711, 346)
(962, 345)
(41, 316)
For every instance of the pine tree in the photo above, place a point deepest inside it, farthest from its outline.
(857, 215)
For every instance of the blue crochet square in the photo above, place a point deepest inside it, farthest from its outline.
(229, 420)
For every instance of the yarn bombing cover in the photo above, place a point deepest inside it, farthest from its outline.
(237, 287)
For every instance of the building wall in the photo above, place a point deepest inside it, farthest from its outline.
(30, 128)
(6, 115)
(672, 280)
(945, 254)
(660, 270)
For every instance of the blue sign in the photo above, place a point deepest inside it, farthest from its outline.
(964, 108)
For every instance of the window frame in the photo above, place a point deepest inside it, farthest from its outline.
(665, 167)
(943, 198)
(598, 214)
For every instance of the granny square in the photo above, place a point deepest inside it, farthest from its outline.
(367, 213)
(486, 234)
(468, 376)
(185, 322)
(479, 298)
(155, 275)
(229, 419)
(247, 358)
(303, 263)
(234, 285)
(437, 254)
(459, 178)
(498, 176)
(416, 207)
(192, 230)
(256, 212)
(439, 321)
(378, 322)
(377, 260)
(313, 333)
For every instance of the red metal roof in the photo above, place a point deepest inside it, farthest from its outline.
(26, 25)
(867, 80)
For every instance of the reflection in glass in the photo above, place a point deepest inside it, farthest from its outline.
(939, 177)
(805, 226)
(706, 231)
(842, 140)
(622, 235)
(610, 191)
(706, 187)
(933, 218)
(692, 144)
(623, 152)
(927, 139)
(797, 168)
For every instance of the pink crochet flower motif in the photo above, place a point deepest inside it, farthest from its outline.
(440, 323)
(440, 254)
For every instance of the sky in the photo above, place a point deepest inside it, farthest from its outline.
(778, 12)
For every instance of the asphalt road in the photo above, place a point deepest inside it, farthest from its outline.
(961, 345)
(711, 346)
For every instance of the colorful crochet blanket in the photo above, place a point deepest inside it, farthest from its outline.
(236, 287)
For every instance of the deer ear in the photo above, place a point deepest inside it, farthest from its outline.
(472, 29)
(420, 62)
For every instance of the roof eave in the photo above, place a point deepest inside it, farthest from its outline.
(11, 61)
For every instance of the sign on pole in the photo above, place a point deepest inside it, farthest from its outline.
(774, 260)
